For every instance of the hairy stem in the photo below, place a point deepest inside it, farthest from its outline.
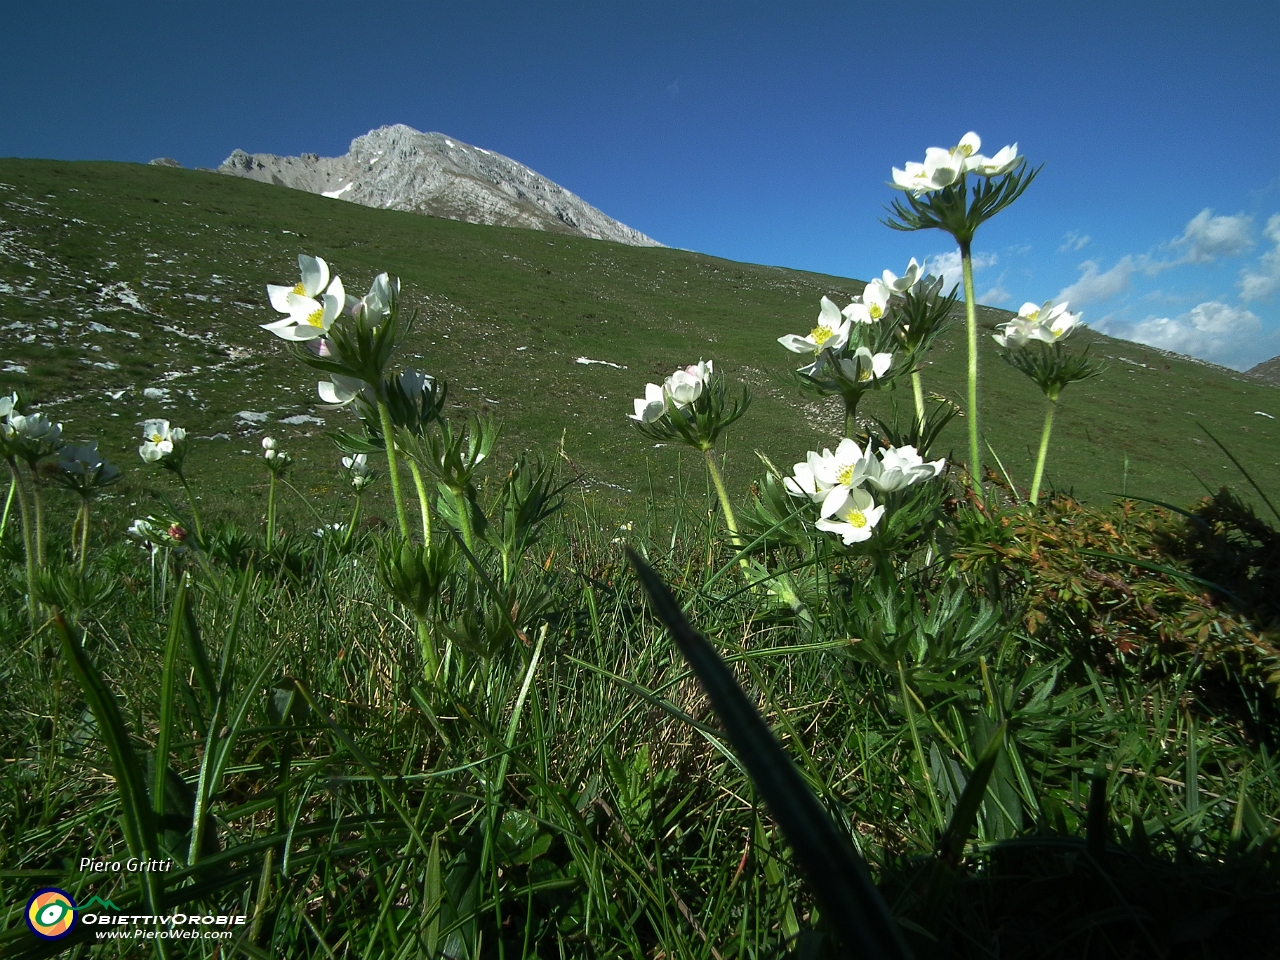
(971, 330)
(464, 517)
(423, 503)
(39, 504)
(84, 533)
(1044, 451)
(393, 467)
(729, 519)
(918, 390)
(8, 504)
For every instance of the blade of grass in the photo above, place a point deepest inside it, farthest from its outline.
(839, 878)
(1243, 471)
(136, 816)
(167, 679)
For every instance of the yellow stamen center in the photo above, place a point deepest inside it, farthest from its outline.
(863, 375)
(821, 334)
(875, 311)
(845, 476)
(316, 318)
(299, 289)
(857, 519)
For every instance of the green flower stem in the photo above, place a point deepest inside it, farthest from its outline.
(430, 659)
(271, 513)
(464, 517)
(8, 504)
(423, 503)
(195, 512)
(39, 504)
(729, 519)
(84, 533)
(971, 330)
(918, 390)
(393, 466)
(1044, 450)
(28, 548)
(351, 527)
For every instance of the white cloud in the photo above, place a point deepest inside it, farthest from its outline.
(1207, 237)
(1262, 282)
(1214, 331)
(1073, 241)
(948, 267)
(995, 296)
(1095, 286)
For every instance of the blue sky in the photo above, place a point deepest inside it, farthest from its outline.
(762, 132)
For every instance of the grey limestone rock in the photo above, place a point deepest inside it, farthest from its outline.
(398, 168)
(166, 162)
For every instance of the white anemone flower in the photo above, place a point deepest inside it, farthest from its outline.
(35, 426)
(1018, 332)
(8, 404)
(357, 468)
(1005, 160)
(315, 278)
(651, 406)
(941, 168)
(902, 466)
(905, 282)
(340, 390)
(875, 297)
(376, 304)
(865, 366)
(309, 318)
(855, 520)
(1048, 324)
(830, 333)
(805, 484)
(159, 440)
(685, 386)
(836, 474)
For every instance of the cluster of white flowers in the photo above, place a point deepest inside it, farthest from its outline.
(276, 458)
(358, 471)
(942, 168)
(678, 391)
(832, 333)
(310, 313)
(1049, 323)
(33, 430)
(836, 480)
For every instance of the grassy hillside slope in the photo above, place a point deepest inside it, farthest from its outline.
(150, 281)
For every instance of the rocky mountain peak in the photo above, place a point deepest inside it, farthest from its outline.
(399, 168)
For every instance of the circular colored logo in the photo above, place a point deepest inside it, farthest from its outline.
(51, 913)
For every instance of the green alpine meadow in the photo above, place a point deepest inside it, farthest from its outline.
(376, 585)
